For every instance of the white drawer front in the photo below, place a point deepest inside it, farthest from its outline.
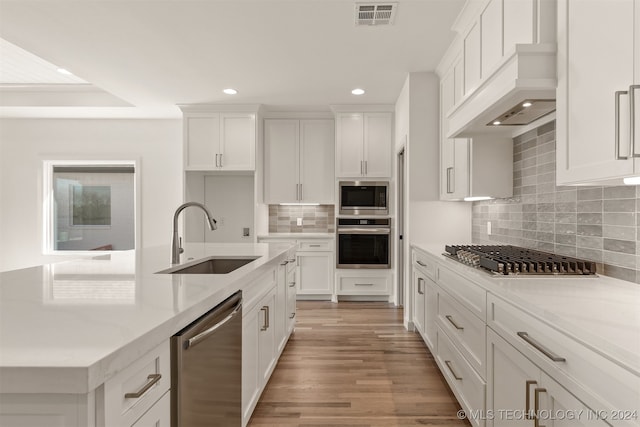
(467, 332)
(468, 293)
(600, 383)
(424, 263)
(315, 245)
(124, 411)
(159, 415)
(466, 384)
(363, 285)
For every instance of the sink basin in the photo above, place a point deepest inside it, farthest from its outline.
(211, 265)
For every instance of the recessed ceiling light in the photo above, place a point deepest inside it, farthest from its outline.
(497, 122)
(358, 91)
(65, 72)
(527, 104)
(230, 91)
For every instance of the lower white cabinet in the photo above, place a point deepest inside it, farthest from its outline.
(290, 314)
(521, 394)
(315, 273)
(363, 283)
(425, 299)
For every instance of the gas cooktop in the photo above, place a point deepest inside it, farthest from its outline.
(514, 260)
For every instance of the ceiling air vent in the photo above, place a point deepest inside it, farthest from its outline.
(375, 13)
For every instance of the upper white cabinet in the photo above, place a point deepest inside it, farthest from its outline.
(504, 53)
(299, 161)
(219, 141)
(596, 129)
(364, 144)
(470, 167)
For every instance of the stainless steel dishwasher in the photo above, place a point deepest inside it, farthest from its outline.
(206, 368)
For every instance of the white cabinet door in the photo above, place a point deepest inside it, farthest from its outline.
(216, 141)
(317, 160)
(237, 141)
(559, 408)
(592, 67)
(291, 300)
(511, 382)
(377, 144)
(281, 181)
(266, 337)
(202, 140)
(315, 273)
(281, 310)
(491, 36)
(419, 294)
(349, 144)
(472, 64)
(430, 313)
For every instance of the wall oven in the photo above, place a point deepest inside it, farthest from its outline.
(363, 243)
(364, 197)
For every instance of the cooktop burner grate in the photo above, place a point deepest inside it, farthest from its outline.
(514, 260)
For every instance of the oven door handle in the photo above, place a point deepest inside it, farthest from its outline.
(364, 231)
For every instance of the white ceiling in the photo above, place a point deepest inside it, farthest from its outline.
(155, 54)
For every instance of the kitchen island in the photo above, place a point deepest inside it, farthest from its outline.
(66, 329)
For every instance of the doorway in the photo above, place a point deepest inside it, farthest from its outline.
(401, 226)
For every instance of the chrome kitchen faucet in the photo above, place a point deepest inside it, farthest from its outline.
(176, 242)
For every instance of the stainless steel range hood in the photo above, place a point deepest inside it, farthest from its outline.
(528, 75)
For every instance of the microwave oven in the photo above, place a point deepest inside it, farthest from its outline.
(363, 197)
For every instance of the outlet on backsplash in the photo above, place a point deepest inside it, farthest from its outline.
(299, 221)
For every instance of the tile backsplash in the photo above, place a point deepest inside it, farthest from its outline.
(315, 219)
(600, 224)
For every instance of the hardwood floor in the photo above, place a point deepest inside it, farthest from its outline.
(354, 364)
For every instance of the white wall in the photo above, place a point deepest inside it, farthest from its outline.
(428, 220)
(25, 143)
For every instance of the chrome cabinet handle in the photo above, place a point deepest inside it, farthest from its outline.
(542, 349)
(617, 125)
(265, 321)
(366, 167)
(632, 123)
(291, 260)
(364, 284)
(527, 406)
(204, 334)
(297, 191)
(421, 263)
(420, 282)
(154, 378)
(455, 325)
(221, 154)
(292, 316)
(314, 246)
(448, 363)
(292, 284)
(449, 179)
(301, 192)
(217, 160)
(536, 405)
(361, 167)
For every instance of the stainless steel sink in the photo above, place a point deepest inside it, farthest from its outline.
(211, 265)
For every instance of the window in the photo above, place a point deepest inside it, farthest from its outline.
(91, 206)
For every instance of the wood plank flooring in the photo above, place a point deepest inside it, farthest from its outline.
(354, 364)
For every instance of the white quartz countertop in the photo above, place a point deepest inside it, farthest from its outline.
(300, 236)
(68, 327)
(601, 312)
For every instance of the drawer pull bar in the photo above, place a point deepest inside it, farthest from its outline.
(455, 325)
(314, 246)
(536, 405)
(542, 349)
(421, 263)
(420, 282)
(154, 379)
(292, 316)
(527, 406)
(292, 284)
(364, 284)
(448, 363)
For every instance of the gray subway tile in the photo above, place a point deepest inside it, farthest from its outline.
(619, 259)
(622, 192)
(589, 218)
(589, 206)
(546, 128)
(621, 273)
(619, 232)
(620, 205)
(566, 218)
(589, 242)
(617, 218)
(622, 246)
(589, 230)
(589, 254)
(590, 193)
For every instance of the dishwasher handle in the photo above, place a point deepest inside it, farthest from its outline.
(191, 342)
